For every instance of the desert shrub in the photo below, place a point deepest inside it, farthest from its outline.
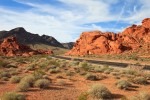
(147, 76)
(4, 78)
(91, 77)
(141, 96)
(23, 86)
(130, 72)
(15, 79)
(140, 80)
(69, 73)
(28, 79)
(13, 96)
(100, 92)
(57, 70)
(84, 65)
(83, 96)
(5, 74)
(11, 66)
(30, 67)
(3, 63)
(38, 74)
(115, 73)
(59, 76)
(42, 83)
(107, 71)
(98, 69)
(61, 82)
(77, 70)
(123, 84)
(45, 77)
(83, 73)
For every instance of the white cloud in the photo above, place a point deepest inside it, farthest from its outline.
(66, 23)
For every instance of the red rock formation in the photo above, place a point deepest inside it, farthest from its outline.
(10, 47)
(96, 42)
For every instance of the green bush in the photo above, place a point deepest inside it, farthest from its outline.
(15, 79)
(100, 92)
(123, 84)
(42, 83)
(13, 96)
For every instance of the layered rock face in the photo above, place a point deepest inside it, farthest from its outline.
(97, 42)
(10, 47)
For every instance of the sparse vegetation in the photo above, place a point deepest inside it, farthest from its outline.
(13, 96)
(91, 77)
(100, 92)
(140, 80)
(23, 86)
(15, 79)
(141, 96)
(123, 84)
(42, 83)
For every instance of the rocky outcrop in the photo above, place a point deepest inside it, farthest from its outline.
(97, 42)
(10, 47)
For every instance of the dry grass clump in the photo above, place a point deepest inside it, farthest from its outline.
(83, 96)
(123, 84)
(141, 96)
(140, 80)
(15, 79)
(100, 92)
(42, 83)
(23, 86)
(13, 96)
(91, 77)
(61, 82)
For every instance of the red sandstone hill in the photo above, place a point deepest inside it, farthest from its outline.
(134, 38)
(10, 47)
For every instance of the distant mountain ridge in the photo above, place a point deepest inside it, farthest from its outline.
(28, 38)
(68, 45)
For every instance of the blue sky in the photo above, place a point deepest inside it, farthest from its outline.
(67, 19)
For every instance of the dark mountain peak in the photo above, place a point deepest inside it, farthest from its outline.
(28, 38)
(18, 30)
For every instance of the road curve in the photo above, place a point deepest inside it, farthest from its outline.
(113, 64)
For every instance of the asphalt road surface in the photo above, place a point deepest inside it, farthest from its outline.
(113, 64)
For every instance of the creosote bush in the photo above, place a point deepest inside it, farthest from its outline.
(99, 91)
(13, 96)
(140, 80)
(141, 96)
(61, 82)
(23, 86)
(42, 83)
(83, 96)
(91, 77)
(123, 84)
(30, 79)
(15, 79)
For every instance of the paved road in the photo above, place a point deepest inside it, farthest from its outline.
(114, 64)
